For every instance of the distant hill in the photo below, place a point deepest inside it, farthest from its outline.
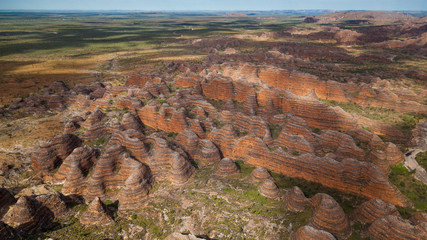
(367, 15)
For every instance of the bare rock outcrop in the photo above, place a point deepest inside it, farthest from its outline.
(329, 216)
(269, 189)
(260, 174)
(394, 227)
(29, 216)
(373, 209)
(96, 214)
(226, 167)
(296, 200)
(51, 155)
(85, 157)
(136, 188)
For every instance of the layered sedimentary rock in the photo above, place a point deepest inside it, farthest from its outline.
(51, 155)
(130, 121)
(95, 131)
(136, 188)
(55, 204)
(260, 174)
(94, 118)
(268, 189)
(348, 175)
(311, 233)
(393, 227)
(110, 172)
(84, 157)
(96, 214)
(329, 216)
(418, 218)
(165, 118)
(201, 149)
(373, 209)
(28, 215)
(226, 167)
(296, 200)
(294, 143)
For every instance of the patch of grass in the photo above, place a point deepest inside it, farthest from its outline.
(347, 201)
(275, 131)
(413, 189)
(422, 159)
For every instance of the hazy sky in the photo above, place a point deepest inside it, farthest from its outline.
(213, 4)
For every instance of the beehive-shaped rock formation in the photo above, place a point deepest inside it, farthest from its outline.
(200, 149)
(51, 155)
(393, 227)
(311, 233)
(96, 214)
(28, 215)
(296, 200)
(226, 167)
(84, 157)
(373, 209)
(136, 188)
(181, 169)
(269, 189)
(95, 117)
(260, 174)
(329, 216)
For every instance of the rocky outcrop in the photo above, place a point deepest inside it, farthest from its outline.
(51, 155)
(55, 203)
(268, 189)
(84, 157)
(296, 200)
(28, 216)
(135, 190)
(329, 216)
(96, 214)
(260, 174)
(226, 167)
(394, 227)
(202, 150)
(349, 175)
(311, 233)
(164, 118)
(418, 218)
(372, 210)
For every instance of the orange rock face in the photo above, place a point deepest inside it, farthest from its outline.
(372, 210)
(329, 216)
(51, 155)
(296, 200)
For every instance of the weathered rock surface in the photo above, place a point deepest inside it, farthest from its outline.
(260, 174)
(329, 216)
(29, 216)
(296, 200)
(373, 209)
(269, 189)
(136, 188)
(51, 155)
(394, 227)
(96, 214)
(226, 167)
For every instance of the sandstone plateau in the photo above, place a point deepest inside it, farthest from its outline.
(285, 132)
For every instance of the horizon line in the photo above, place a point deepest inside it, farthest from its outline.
(165, 11)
